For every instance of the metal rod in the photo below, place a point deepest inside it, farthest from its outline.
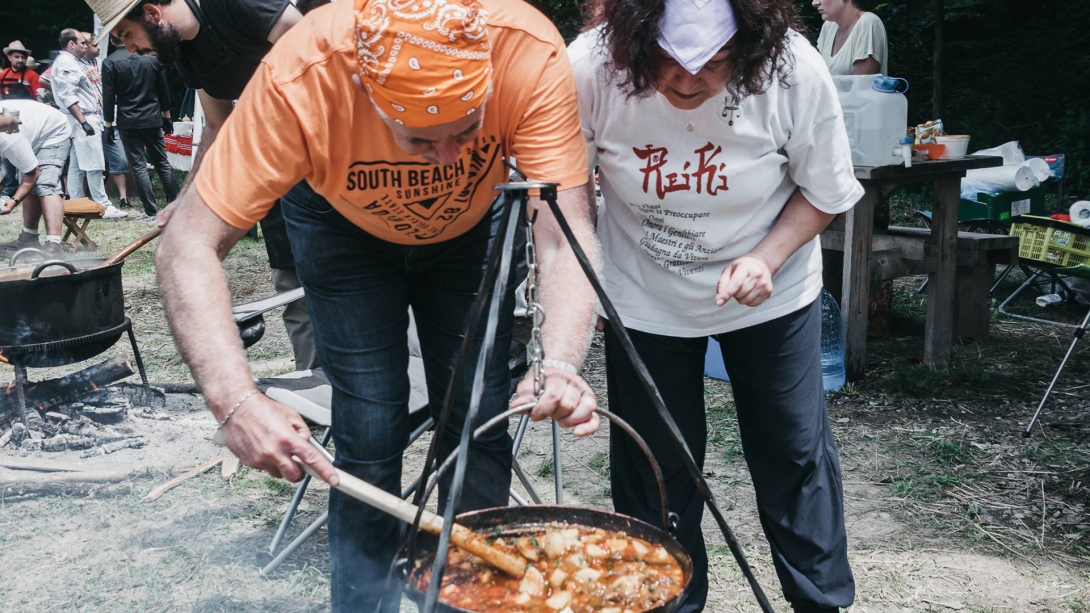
(20, 396)
(520, 432)
(1029, 281)
(136, 354)
(1078, 334)
(488, 341)
(1002, 277)
(296, 543)
(519, 500)
(525, 480)
(295, 500)
(421, 429)
(558, 469)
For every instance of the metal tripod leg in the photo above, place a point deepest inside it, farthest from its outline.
(1078, 334)
(136, 356)
(558, 468)
(296, 544)
(295, 500)
(20, 395)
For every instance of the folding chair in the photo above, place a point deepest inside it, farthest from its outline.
(78, 214)
(310, 394)
(1055, 250)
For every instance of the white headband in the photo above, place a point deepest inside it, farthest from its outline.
(695, 30)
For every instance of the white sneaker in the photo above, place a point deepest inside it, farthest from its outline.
(112, 212)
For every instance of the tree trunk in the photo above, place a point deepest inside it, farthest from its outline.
(45, 394)
(938, 61)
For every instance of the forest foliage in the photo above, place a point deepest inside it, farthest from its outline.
(1014, 69)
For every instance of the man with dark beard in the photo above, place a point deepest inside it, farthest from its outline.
(217, 45)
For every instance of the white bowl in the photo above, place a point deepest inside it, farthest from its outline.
(957, 145)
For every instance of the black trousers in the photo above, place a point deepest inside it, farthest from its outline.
(143, 145)
(775, 373)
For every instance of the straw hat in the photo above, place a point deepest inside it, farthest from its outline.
(17, 46)
(111, 11)
(31, 63)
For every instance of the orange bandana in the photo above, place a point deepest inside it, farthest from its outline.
(424, 62)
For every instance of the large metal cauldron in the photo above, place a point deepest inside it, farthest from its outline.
(56, 313)
(519, 520)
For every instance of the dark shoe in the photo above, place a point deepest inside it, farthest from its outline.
(124, 204)
(25, 240)
(53, 249)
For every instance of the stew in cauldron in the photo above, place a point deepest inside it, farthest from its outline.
(572, 569)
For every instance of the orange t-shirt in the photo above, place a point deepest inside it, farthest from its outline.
(301, 117)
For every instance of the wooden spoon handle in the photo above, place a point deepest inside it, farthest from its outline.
(429, 522)
(133, 246)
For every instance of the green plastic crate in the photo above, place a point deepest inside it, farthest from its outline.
(1002, 207)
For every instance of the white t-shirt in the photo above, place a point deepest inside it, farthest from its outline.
(16, 149)
(43, 125)
(867, 39)
(686, 192)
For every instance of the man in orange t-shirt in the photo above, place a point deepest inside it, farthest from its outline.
(399, 117)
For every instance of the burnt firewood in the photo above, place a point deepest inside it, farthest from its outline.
(46, 394)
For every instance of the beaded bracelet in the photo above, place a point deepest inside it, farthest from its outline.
(235, 408)
(560, 364)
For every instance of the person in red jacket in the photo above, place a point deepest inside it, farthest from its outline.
(18, 81)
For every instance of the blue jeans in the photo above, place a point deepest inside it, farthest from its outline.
(359, 289)
(11, 179)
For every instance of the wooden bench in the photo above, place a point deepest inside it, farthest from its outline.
(910, 251)
(78, 214)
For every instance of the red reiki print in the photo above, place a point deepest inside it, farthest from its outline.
(707, 176)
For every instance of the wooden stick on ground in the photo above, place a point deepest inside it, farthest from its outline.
(176, 481)
(229, 470)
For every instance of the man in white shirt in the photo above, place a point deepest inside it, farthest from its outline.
(77, 98)
(35, 138)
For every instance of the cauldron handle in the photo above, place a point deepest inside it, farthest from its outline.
(20, 253)
(669, 519)
(40, 267)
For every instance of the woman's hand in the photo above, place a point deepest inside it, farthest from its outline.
(747, 279)
(568, 399)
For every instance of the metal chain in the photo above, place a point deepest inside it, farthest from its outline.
(535, 350)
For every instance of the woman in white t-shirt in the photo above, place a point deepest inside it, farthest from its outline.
(852, 41)
(722, 154)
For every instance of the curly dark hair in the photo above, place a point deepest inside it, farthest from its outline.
(630, 29)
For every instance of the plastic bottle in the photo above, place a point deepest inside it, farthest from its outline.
(832, 344)
(875, 117)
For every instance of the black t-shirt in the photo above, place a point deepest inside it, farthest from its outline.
(233, 37)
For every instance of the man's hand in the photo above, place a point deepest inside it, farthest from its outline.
(164, 215)
(747, 279)
(568, 399)
(7, 204)
(9, 124)
(168, 125)
(265, 434)
(111, 137)
(87, 128)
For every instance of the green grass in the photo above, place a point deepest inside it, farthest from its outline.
(545, 469)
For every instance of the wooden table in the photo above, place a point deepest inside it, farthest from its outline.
(858, 229)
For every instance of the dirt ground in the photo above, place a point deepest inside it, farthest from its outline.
(948, 508)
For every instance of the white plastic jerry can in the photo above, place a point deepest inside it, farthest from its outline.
(876, 116)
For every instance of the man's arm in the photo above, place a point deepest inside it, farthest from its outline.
(109, 97)
(262, 433)
(21, 192)
(568, 299)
